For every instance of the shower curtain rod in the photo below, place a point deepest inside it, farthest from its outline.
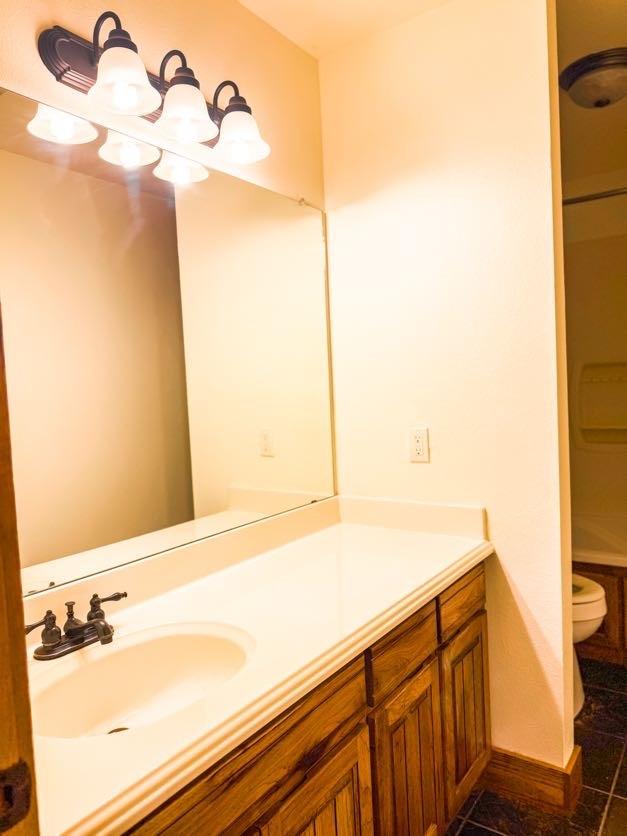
(584, 198)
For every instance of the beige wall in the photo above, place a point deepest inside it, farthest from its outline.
(254, 317)
(596, 267)
(437, 150)
(96, 382)
(222, 40)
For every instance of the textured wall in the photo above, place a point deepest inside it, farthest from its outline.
(438, 176)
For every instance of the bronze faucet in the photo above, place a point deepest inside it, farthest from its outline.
(76, 633)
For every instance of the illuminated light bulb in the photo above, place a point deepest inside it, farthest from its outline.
(122, 84)
(56, 126)
(124, 96)
(127, 152)
(179, 170)
(185, 117)
(240, 141)
(130, 155)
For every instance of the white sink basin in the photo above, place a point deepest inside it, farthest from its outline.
(136, 680)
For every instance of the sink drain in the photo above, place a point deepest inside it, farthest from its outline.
(119, 729)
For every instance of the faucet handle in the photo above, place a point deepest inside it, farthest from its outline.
(51, 634)
(95, 604)
(71, 620)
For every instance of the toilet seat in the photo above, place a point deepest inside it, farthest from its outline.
(588, 599)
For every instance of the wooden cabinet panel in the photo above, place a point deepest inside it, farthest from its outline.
(397, 655)
(460, 601)
(408, 762)
(334, 800)
(465, 709)
(235, 793)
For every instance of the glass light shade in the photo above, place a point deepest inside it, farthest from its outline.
(240, 141)
(185, 117)
(128, 152)
(600, 87)
(122, 84)
(56, 126)
(179, 170)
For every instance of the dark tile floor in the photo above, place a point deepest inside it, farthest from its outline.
(601, 731)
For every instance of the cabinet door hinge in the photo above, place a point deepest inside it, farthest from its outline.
(15, 794)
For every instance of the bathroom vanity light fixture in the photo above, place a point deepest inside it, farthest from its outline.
(597, 80)
(122, 84)
(56, 126)
(185, 116)
(116, 79)
(127, 152)
(240, 141)
(179, 170)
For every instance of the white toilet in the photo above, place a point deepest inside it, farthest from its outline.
(589, 610)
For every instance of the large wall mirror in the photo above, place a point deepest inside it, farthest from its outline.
(166, 354)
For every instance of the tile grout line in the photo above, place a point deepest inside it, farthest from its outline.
(465, 818)
(606, 690)
(611, 793)
(595, 789)
(579, 726)
(468, 820)
(484, 827)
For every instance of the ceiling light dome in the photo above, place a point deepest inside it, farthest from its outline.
(122, 84)
(57, 126)
(179, 170)
(185, 117)
(126, 151)
(240, 141)
(597, 80)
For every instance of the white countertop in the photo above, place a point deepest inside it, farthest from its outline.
(310, 606)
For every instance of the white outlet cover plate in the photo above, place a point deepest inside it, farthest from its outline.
(419, 445)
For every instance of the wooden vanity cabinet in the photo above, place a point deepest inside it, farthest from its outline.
(391, 745)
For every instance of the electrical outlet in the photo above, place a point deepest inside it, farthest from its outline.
(266, 445)
(419, 444)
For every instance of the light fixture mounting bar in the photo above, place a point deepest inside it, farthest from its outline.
(70, 60)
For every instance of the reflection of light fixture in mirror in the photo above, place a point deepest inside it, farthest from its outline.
(185, 116)
(126, 151)
(598, 79)
(56, 126)
(179, 170)
(240, 141)
(122, 84)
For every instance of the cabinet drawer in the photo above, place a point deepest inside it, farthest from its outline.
(397, 655)
(233, 795)
(461, 601)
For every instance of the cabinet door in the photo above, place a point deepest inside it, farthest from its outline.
(408, 758)
(465, 709)
(336, 798)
